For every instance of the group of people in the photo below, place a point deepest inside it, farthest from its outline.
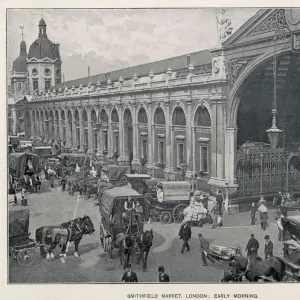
(130, 276)
(253, 246)
(133, 211)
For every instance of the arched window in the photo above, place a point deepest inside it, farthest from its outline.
(103, 116)
(159, 116)
(127, 116)
(114, 116)
(142, 116)
(179, 117)
(202, 117)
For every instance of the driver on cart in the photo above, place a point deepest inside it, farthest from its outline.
(129, 208)
(160, 193)
(139, 212)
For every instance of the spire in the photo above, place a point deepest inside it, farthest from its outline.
(42, 26)
(23, 44)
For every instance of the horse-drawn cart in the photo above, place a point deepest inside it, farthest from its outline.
(176, 198)
(111, 208)
(76, 182)
(21, 247)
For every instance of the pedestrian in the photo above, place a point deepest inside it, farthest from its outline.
(162, 277)
(263, 213)
(268, 247)
(63, 182)
(185, 234)
(280, 228)
(253, 213)
(129, 275)
(215, 212)
(252, 246)
(204, 249)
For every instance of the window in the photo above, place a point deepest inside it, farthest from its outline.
(161, 152)
(19, 86)
(144, 149)
(116, 143)
(47, 71)
(95, 140)
(105, 141)
(204, 159)
(34, 72)
(35, 84)
(57, 80)
(180, 154)
(47, 84)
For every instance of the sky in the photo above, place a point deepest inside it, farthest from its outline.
(110, 39)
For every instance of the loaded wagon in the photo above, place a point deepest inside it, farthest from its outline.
(76, 182)
(111, 208)
(115, 173)
(21, 247)
(174, 199)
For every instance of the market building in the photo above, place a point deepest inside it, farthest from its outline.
(230, 114)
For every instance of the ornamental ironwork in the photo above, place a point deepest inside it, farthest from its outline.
(277, 20)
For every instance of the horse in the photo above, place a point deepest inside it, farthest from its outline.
(144, 241)
(126, 243)
(71, 231)
(254, 269)
(36, 183)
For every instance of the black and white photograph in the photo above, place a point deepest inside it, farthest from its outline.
(153, 145)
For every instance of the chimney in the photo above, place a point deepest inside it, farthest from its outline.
(63, 77)
(188, 60)
(88, 71)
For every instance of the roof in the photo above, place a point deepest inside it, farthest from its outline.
(159, 67)
(42, 48)
(121, 191)
(18, 222)
(19, 64)
(143, 176)
(42, 22)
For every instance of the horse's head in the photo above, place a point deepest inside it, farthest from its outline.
(147, 237)
(238, 262)
(88, 226)
(229, 275)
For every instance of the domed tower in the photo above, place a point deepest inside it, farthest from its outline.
(43, 62)
(19, 73)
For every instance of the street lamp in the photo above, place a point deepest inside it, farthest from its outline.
(184, 168)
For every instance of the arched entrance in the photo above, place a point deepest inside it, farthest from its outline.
(42, 126)
(143, 135)
(37, 125)
(128, 136)
(51, 125)
(159, 142)
(63, 123)
(263, 170)
(70, 125)
(115, 130)
(95, 129)
(85, 130)
(57, 135)
(104, 137)
(47, 135)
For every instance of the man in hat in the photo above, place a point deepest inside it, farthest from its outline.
(185, 234)
(129, 208)
(268, 247)
(160, 193)
(204, 248)
(252, 246)
(129, 276)
(162, 277)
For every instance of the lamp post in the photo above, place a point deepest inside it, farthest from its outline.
(184, 168)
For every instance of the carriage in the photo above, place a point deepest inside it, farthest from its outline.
(21, 247)
(176, 198)
(76, 183)
(111, 208)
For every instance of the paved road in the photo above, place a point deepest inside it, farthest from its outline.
(52, 207)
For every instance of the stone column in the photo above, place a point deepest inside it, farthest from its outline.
(194, 143)
(81, 149)
(230, 154)
(110, 142)
(54, 128)
(149, 138)
(135, 160)
(171, 149)
(90, 131)
(218, 142)
(61, 128)
(74, 131)
(14, 120)
(188, 135)
(121, 135)
(32, 133)
(169, 166)
(68, 131)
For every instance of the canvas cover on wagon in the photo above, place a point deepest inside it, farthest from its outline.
(18, 222)
(292, 226)
(18, 161)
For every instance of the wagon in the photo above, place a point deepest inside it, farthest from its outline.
(176, 197)
(115, 173)
(111, 208)
(222, 253)
(21, 247)
(76, 183)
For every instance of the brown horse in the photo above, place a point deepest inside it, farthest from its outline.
(254, 269)
(144, 241)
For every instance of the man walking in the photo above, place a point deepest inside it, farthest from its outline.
(129, 276)
(204, 248)
(185, 234)
(253, 213)
(268, 247)
(162, 277)
(252, 246)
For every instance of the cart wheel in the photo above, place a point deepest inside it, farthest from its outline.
(155, 217)
(26, 257)
(102, 237)
(178, 213)
(165, 217)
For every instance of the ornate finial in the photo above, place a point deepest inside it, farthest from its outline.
(121, 80)
(89, 85)
(22, 27)
(73, 88)
(98, 83)
(169, 71)
(80, 87)
(224, 26)
(191, 68)
(135, 78)
(151, 74)
(108, 81)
